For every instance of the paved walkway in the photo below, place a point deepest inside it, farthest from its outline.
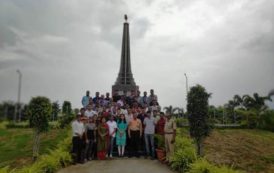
(125, 165)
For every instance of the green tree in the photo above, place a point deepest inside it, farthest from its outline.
(55, 110)
(8, 110)
(39, 111)
(197, 108)
(66, 108)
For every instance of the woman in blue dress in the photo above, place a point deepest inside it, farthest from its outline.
(121, 135)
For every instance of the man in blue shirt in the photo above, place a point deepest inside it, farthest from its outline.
(96, 98)
(85, 100)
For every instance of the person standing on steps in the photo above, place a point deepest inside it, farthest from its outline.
(149, 123)
(112, 126)
(152, 97)
(170, 134)
(144, 101)
(121, 135)
(96, 98)
(135, 134)
(85, 100)
(89, 112)
(78, 130)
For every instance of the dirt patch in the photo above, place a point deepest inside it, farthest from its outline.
(241, 149)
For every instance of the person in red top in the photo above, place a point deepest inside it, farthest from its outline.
(102, 145)
(161, 124)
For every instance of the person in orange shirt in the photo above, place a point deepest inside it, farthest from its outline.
(135, 134)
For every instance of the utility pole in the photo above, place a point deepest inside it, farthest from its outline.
(17, 105)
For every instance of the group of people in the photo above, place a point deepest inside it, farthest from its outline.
(126, 122)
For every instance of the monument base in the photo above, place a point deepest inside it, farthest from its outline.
(124, 90)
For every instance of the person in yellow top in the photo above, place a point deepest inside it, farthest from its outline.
(135, 134)
(170, 134)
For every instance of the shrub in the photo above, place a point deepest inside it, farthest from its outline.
(197, 108)
(66, 108)
(181, 122)
(65, 121)
(39, 111)
(203, 166)
(249, 118)
(4, 170)
(23, 124)
(160, 141)
(184, 154)
(50, 163)
(266, 121)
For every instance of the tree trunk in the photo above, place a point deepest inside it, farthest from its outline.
(200, 149)
(36, 144)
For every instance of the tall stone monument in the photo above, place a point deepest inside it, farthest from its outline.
(125, 84)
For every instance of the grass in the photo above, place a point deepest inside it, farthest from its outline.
(16, 145)
(248, 150)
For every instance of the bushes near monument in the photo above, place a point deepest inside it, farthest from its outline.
(184, 154)
(185, 158)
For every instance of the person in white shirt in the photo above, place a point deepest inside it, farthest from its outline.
(128, 115)
(89, 112)
(112, 126)
(78, 131)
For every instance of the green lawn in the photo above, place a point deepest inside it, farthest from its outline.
(16, 145)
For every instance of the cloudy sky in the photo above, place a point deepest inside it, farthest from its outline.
(65, 47)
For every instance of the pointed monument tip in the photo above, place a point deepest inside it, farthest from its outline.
(125, 17)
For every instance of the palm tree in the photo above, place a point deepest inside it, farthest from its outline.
(238, 101)
(271, 93)
(180, 111)
(256, 102)
(169, 109)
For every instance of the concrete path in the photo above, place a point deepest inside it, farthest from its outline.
(124, 165)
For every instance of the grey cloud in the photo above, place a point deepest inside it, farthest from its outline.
(64, 48)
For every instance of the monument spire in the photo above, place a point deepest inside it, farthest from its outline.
(125, 82)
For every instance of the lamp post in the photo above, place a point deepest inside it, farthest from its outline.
(186, 88)
(186, 83)
(17, 105)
